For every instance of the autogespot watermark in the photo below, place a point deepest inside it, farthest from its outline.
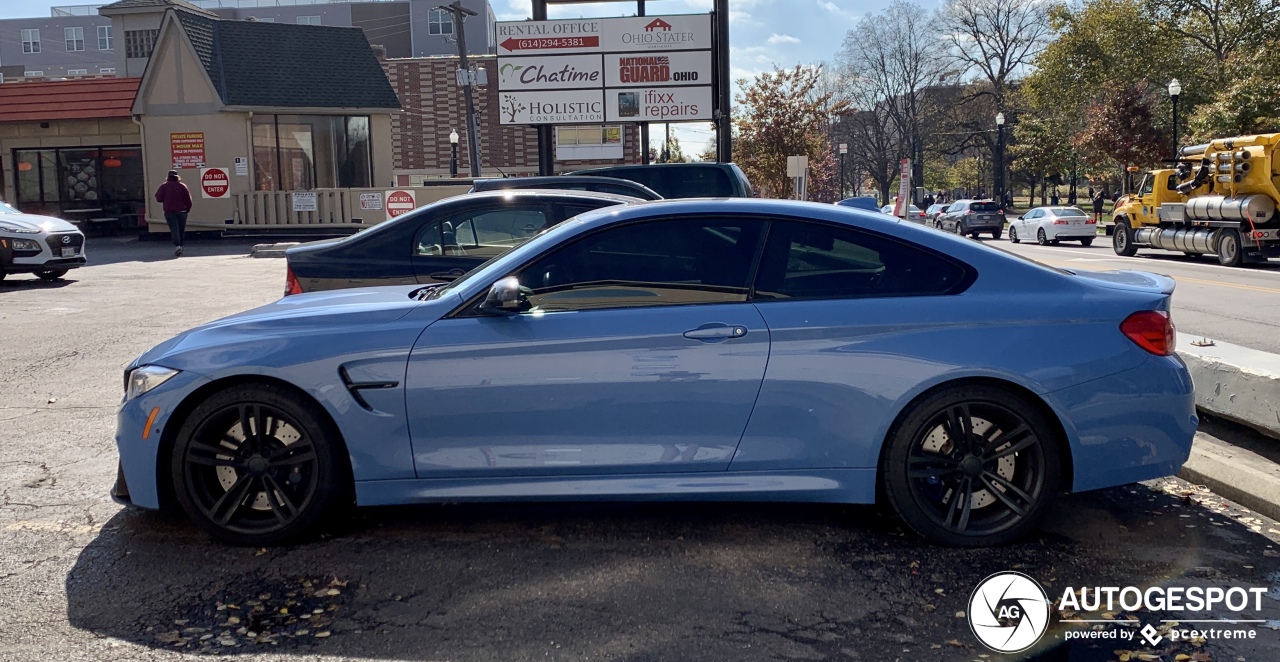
(1009, 612)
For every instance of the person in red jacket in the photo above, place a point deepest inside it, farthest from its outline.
(176, 199)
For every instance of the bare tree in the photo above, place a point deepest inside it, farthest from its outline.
(996, 39)
(898, 55)
(870, 133)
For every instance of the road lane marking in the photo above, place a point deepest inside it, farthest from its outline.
(1149, 260)
(1189, 279)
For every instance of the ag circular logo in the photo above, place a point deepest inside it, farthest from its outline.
(1009, 612)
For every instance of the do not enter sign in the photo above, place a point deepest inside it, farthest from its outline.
(215, 183)
(399, 202)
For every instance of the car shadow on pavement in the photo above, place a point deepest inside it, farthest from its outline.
(120, 249)
(29, 282)
(638, 581)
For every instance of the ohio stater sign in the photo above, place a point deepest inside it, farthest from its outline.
(640, 68)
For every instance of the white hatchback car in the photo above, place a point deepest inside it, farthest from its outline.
(40, 245)
(1049, 225)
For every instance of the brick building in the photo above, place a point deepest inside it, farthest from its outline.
(433, 106)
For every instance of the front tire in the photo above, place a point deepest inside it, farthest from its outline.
(1122, 239)
(1013, 235)
(51, 274)
(971, 466)
(1229, 251)
(258, 465)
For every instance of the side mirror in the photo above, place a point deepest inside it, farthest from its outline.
(1019, 218)
(506, 297)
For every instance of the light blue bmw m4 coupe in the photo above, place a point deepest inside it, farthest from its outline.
(743, 350)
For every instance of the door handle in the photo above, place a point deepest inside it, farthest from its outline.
(716, 332)
(450, 275)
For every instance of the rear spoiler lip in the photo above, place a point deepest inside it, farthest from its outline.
(1130, 280)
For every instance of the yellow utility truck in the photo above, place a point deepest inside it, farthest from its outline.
(1220, 200)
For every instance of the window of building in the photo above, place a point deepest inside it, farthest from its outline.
(814, 261)
(139, 43)
(265, 19)
(77, 72)
(105, 41)
(677, 262)
(308, 20)
(305, 152)
(108, 179)
(440, 22)
(30, 41)
(107, 70)
(33, 74)
(74, 38)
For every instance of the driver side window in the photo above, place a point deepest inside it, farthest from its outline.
(677, 262)
(483, 233)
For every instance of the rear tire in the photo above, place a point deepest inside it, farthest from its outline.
(1122, 239)
(51, 274)
(258, 465)
(951, 478)
(1230, 253)
(1086, 242)
(995, 234)
(1041, 238)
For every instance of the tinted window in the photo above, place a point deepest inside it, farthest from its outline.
(696, 182)
(648, 264)
(482, 233)
(812, 261)
(959, 206)
(984, 206)
(1070, 212)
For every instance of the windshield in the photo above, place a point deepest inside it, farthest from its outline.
(6, 209)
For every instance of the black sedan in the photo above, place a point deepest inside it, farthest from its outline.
(569, 183)
(438, 242)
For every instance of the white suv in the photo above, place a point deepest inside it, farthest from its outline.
(40, 245)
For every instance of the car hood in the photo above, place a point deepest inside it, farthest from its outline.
(301, 315)
(46, 224)
(1133, 281)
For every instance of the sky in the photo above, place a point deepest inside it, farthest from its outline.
(762, 33)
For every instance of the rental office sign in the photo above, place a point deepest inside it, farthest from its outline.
(631, 69)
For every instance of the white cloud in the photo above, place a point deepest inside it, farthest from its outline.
(835, 9)
(776, 38)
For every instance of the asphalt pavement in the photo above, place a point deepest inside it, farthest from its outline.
(1238, 305)
(83, 579)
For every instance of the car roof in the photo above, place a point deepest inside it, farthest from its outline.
(511, 183)
(545, 193)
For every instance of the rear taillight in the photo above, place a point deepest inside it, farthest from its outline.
(1151, 330)
(1090, 222)
(1059, 221)
(291, 285)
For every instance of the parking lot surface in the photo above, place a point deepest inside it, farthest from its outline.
(83, 579)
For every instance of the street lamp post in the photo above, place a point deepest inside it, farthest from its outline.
(844, 149)
(999, 159)
(453, 153)
(1175, 88)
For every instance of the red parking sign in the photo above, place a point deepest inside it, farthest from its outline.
(215, 183)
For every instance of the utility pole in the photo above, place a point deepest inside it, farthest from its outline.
(460, 15)
(666, 145)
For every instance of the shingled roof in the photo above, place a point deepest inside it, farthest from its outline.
(285, 65)
(92, 98)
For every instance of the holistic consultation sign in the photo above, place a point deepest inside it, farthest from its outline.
(637, 69)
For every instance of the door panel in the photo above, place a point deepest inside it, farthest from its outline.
(585, 392)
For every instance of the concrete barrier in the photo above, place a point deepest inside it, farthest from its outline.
(1235, 383)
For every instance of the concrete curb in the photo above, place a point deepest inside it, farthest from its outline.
(1236, 473)
(271, 250)
(1236, 383)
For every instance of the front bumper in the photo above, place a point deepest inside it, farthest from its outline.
(120, 491)
(141, 464)
(31, 265)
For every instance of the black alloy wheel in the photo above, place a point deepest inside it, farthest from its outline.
(256, 465)
(972, 466)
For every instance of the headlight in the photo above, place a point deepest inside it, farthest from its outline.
(145, 378)
(16, 230)
(26, 245)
